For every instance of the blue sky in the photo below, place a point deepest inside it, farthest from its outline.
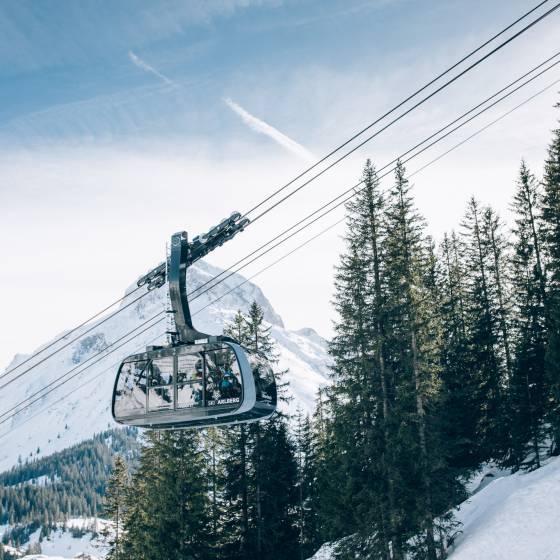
(110, 109)
(67, 72)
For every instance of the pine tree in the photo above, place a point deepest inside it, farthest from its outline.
(483, 333)
(115, 507)
(273, 454)
(169, 513)
(414, 346)
(459, 412)
(358, 496)
(235, 482)
(260, 472)
(527, 388)
(498, 248)
(306, 486)
(235, 537)
(551, 219)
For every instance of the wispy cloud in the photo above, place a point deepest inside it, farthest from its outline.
(137, 61)
(264, 128)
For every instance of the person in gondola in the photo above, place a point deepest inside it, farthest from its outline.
(229, 386)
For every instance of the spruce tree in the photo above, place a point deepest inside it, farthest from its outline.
(415, 346)
(527, 389)
(169, 513)
(357, 497)
(236, 538)
(260, 472)
(483, 333)
(459, 412)
(273, 454)
(551, 219)
(115, 507)
(307, 488)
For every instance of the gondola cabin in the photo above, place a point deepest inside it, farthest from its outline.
(198, 380)
(193, 386)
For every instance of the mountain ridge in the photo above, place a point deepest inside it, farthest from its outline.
(53, 426)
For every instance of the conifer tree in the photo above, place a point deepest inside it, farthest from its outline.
(307, 519)
(527, 388)
(483, 336)
(235, 542)
(497, 267)
(414, 346)
(359, 399)
(115, 507)
(459, 411)
(169, 514)
(551, 219)
(273, 454)
(260, 472)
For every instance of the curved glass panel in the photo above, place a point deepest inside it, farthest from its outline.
(187, 386)
(130, 394)
(265, 382)
(223, 377)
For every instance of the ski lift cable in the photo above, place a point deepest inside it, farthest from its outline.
(73, 391)
(274, 263)
(480, 130)
(402, 115)
(423, 88)
(73, 330)
(322, 232)
(230, 271)
(93, 327)
(393, 161)
(410, 175)
(103, 354)
(352, 189)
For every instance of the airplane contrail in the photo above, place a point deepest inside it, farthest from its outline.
(137, 61)
(264, 128)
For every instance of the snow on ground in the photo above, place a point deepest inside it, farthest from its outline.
(515, 517)
(64, 542)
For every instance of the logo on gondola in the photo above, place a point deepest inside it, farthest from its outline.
(232, 400)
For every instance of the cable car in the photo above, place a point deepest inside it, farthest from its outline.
(198, 380)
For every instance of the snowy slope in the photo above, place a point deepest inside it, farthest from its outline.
(48, 425)
(63, 542)
(515, 517)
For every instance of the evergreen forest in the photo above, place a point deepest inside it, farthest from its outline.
(446, 358)
(72, 483)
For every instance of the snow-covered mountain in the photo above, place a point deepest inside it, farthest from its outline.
(54, 423)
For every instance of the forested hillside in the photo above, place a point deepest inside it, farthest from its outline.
(445, 358)
(70, 483)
